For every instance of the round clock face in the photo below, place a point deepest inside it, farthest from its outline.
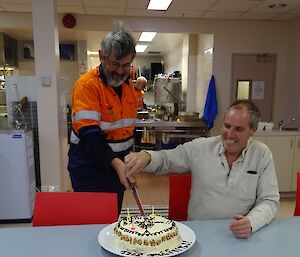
(69, 21)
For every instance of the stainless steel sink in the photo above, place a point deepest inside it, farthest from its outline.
(291, 129)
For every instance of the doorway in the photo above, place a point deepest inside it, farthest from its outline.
(253, 78)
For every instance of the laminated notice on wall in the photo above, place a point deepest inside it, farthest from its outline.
(258, 90)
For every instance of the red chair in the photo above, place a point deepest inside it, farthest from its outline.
(297, 207)
(74, 208)
(180, 185)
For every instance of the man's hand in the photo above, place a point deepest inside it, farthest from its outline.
(241, 226)
(121, 170)
(136, 162)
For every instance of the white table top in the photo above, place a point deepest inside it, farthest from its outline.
(280, 238)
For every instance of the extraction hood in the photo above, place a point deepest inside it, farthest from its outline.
(8, 51)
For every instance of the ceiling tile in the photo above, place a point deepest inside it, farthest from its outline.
(264, 7)
(233, 5)
(16, 1)
(69, 2)
(105, 3)
(193, 4)
(183, 13)
(286, 17)
(221, 15)
(153, 13)
(105, 11)
(137, 4)
(135, 12)
(17, 7)
(295, 10)
(257, 16)
(71, 9)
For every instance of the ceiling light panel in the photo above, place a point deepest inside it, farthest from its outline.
(140, 48)
(147, 36)
(159, 4)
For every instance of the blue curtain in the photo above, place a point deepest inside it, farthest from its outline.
(211, 105)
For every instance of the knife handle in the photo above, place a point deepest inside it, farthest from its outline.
(132, 182)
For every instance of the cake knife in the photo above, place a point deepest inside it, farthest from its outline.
(137, 198)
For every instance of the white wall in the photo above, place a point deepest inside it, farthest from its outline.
(204, 70)
(69, 72)
(290, 90)
(173, 59)
(277, 37)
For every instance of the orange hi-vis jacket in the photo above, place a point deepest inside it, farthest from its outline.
(95, 103)
(140, 99)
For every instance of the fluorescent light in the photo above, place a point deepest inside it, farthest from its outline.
(92, 53)
(147, 36)
(161, 5)
(140, 48)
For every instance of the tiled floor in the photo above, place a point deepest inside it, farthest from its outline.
(154, 190)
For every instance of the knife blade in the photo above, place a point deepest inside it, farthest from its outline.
(137, 198)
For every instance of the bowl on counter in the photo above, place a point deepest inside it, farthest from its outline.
(262, 126)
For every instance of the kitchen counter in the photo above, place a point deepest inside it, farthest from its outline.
(11, 131)
(157, 123)
(277, 132)
(184, 130)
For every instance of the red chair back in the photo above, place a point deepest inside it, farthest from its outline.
(74, 208)
(297, 207)
(180, 185)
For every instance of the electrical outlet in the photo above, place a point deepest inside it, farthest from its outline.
(50, 188)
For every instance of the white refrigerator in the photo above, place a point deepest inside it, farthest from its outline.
(17, 176)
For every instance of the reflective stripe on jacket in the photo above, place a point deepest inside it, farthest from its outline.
(95, 103)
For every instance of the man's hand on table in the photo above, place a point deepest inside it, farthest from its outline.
(241, 226)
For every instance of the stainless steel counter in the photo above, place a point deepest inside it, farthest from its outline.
(185, 130)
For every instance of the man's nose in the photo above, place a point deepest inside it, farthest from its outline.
(230, 132)
(119, 70)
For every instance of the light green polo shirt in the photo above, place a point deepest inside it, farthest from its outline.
(250, 188)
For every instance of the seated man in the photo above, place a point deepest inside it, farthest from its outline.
(232, 174)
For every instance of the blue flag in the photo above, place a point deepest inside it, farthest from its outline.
(211, 105)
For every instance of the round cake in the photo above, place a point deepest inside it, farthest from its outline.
(146, 234)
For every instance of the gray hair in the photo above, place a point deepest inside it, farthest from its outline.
(252, 109)
(120, 42)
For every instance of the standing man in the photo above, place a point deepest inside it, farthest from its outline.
(140, 86)
(103, 117)
(233, 175)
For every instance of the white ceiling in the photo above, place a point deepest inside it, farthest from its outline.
(202, 9)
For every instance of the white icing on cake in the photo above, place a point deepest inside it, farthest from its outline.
(147, 234)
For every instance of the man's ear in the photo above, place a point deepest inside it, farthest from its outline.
(253, 131)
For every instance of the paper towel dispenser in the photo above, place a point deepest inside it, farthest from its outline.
(8, 51)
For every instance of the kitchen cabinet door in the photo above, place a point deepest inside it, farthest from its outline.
(296, 163)
(262, 139)
(282, 148)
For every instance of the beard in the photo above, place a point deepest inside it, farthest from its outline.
(113, 79)
(115, 82)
